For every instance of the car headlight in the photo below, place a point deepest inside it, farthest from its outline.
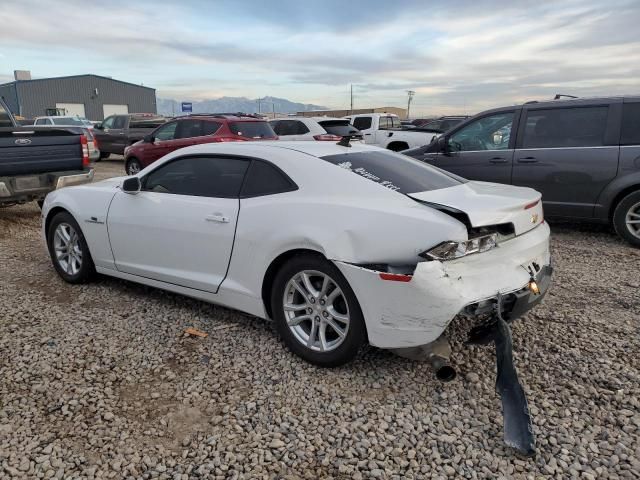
(453, 250)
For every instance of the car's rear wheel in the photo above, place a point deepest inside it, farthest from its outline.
(316, 312)
(103, 155)
(69, 250)
(133, 166)
(626, 218)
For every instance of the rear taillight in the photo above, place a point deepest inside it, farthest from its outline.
(85, 150)
(326, 137)
(531, 205)
(95, 142)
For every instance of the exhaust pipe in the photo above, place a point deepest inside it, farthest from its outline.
(437, 353)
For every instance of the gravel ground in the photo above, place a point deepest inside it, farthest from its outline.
(99, 381)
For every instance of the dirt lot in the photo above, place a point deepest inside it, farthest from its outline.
(99, 381)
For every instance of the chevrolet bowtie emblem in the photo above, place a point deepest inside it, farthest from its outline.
(534, 218)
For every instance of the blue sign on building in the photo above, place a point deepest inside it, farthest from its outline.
(187, 107)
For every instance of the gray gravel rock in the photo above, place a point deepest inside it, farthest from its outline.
(99, 381)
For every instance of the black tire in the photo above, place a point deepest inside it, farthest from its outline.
(103, 155)
(628, 206)
(86, 270)
(355, 336)
(132, 162)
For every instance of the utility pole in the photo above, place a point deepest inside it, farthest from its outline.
(410, 93)
(259, 106)
(351, 109)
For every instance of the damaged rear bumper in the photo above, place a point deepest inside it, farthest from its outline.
(414, 313)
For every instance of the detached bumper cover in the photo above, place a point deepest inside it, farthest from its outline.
(23, 188)
(409, 314)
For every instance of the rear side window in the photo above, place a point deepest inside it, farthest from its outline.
(265, 179)
(199, 176)
(384, 123)
(146, 122)
(252, 129)
(209, 128)
(339, 127)
(394, 171)
(630, 124)
(565, 127)
(188, 129)
(362, 123)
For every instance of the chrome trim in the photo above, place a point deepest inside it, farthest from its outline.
(79, 179)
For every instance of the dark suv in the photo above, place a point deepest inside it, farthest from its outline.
(193, 130)
(583, 155)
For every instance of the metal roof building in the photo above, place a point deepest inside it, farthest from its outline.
(91, 96)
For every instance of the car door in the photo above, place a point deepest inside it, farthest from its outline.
(480, 150)
(118, 134)
(180, 227)
(569, 154)
(365, 124)
(103, 134)
(161, 142)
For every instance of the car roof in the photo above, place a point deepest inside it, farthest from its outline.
(315, 119)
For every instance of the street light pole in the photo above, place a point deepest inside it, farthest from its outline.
(410, 93)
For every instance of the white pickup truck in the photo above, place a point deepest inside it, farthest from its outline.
(385, 130)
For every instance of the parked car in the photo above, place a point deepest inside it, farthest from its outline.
(117, 132)
(63, 121)
(442, 124)
(73, 121)
(582, 154)
(193, 130)
(315, 128)
(386, 131)
(37, 160)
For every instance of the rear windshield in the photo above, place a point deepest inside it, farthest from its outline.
(252, 129)
(339, 127)
(395, 171)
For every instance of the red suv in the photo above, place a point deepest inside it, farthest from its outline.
(193, 130)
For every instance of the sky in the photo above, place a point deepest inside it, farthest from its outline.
(459, 56)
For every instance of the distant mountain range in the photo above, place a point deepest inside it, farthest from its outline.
(171, 107)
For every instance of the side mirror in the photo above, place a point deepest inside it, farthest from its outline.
(131, 185)
(148, 138)
(443, 144)
(99, 126)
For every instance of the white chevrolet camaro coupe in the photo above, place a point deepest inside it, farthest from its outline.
(339, 245)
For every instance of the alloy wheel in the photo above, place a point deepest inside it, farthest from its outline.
(632, 219)
(134, 168)
(316, 310)
(66, 244)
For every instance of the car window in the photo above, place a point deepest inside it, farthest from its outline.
(384, 123)
(209, 128)
(166, 132)
(199, 177)
(40, 121)
(120, 121)
(67, 121)
(487, 133)
(394, 171)
(339, 127)
(265, 179)
(290, 127)
(252, 129)
(565, 127)
(108, 122)
(362, 123)
(5, 119)
(188, 129)
(630, 124)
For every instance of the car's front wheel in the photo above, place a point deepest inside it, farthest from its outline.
(69, 250)
(133, 166)
(316, 312)
(626, 218)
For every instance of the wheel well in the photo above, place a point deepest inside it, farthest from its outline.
(52, 213)
(397, 146)
(619, 197)
(273, 269)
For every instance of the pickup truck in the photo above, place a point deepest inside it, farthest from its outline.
(117, 132)
(386, 131)
(37, 160)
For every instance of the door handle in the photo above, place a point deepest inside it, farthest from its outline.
(217, 217)
(498, 160)
(528, 160)
(368, 134)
